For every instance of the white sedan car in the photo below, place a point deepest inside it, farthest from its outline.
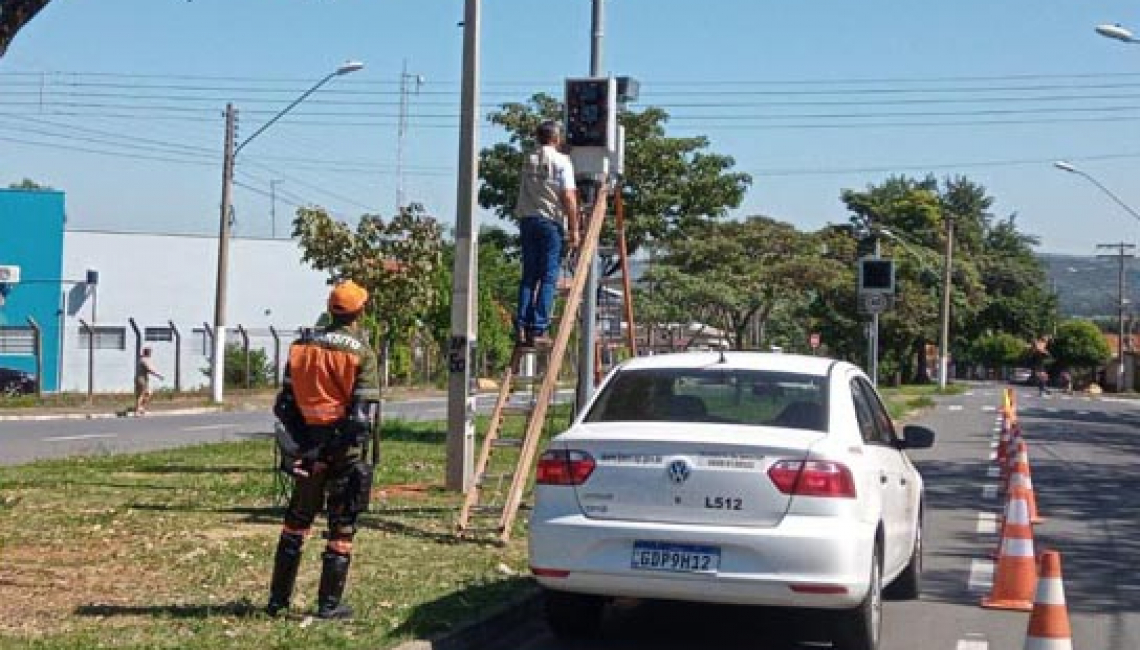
(738, 477)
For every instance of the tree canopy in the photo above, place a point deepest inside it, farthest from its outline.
(14, 14)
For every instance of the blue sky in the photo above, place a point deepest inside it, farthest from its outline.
(119, 102)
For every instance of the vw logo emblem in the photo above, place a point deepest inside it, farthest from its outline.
(678, 471)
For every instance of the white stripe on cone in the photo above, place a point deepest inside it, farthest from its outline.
(1050, 591)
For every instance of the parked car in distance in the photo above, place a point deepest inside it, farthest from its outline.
(739, 477)
(1021, 376)
(16, 382)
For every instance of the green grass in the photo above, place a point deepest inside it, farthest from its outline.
(903, 402)
(173, 549)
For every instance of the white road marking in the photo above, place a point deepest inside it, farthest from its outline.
(989, 409)
(210, 427)
(1082, 412)
(981, 575)
(989, 491)
(954, 407)
(972, 644)
(89, 436)
(1052, 409)
(969, 393)
(987, 522)
(993, 472)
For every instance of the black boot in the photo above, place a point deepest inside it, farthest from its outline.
(285, 564)
(334, 575)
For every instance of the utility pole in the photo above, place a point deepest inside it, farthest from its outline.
(218, 365)
(273, 207)
(406, 81)
(947, 278)
(464, 288)
(873, 334)
(590, 295)
(1122, 253)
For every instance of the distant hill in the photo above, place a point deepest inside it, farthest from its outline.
(1086, 286)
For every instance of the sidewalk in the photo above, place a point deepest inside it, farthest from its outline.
(106, 406)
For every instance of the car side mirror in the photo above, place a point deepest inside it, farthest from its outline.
(917, 437)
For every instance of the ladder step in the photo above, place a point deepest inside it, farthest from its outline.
(507, 442)
(483, 479)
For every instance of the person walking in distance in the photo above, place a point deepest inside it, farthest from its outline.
(328, 399)
(547, 209)
(144, 368)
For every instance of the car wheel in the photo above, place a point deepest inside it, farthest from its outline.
(573, 616)
(859, 628)
(11, 389)
(908, 585)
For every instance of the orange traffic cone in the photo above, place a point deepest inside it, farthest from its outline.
(1016, 573)
(1049, 623)
(1021, 479)
(1003, 442)
(1010, 453)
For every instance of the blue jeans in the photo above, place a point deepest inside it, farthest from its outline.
(541, 257)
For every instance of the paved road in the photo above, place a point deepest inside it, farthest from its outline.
(21, 442)
(1083, 454)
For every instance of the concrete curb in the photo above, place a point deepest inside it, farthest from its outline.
(41, 417)
(507, 622)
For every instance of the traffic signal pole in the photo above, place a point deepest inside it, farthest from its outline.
(590, 297)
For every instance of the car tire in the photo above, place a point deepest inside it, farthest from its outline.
(861, 628)
(11, 389)
(908, 586)
(573, 616)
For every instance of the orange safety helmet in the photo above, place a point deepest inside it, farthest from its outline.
(347, 298)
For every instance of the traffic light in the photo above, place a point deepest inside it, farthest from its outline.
(591, 112)
(876, 275)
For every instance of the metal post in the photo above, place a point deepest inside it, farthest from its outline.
(947, 279)
(273, 207)
(276, 356)
(138, 346)
(873, 337)
(218, 354)
(590, 293)
(90, 331)
(38, 354)
(464, 290)
(177, 357)
(245, 352)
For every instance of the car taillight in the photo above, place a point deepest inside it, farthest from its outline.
(813, 478)
(564, 467)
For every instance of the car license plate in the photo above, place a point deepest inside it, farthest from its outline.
(682, 558)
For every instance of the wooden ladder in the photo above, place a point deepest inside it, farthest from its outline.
(611, 340)
(498, 495)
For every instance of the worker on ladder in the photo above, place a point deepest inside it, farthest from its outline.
(547, 209)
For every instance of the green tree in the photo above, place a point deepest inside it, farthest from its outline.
(1080, 345)
(14, 14)
(670, 183)
(737, 274)
(398, 261)
(999, 350)
(28, 184)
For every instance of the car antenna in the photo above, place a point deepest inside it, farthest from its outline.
(723, 359)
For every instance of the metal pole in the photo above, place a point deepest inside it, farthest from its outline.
(273, 208)
(873, 338)
(464, 289)
(947, 277)
(1122, 249)
(38, 354)
(218, 354)
(177, 356)
(590, 293)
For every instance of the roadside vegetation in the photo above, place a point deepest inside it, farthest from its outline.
(173, 549)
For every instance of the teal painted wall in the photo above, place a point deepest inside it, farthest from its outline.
(31, 237)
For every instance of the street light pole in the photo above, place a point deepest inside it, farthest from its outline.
(218, 356)
(464, 287)
(947, 278)
(1073, 169)
(1117, 32)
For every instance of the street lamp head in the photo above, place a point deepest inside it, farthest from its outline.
(349, 66)
(1115, 31)
(1065, 166)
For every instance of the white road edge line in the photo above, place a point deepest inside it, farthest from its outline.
(989, 491)
(88, 436)
(981, 575)
(954, 407)
(987, 523)
(210, 427)
(972, 644)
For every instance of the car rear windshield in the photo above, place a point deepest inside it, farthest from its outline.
(730, 396)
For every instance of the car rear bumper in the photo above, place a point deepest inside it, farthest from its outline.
(826, 560)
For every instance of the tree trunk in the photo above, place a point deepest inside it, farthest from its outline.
(14, 14)
(921, 373)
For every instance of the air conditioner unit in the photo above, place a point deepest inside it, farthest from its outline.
(9, 274)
